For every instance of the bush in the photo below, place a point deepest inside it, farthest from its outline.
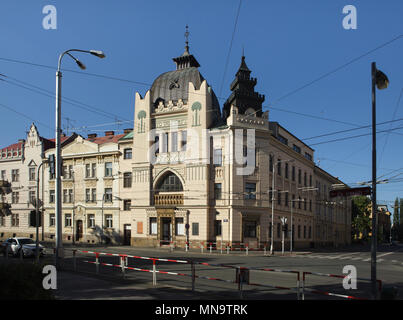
(22, 281)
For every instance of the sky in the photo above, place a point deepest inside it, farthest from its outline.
(315, 74)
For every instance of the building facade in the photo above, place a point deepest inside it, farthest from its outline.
(188, 171)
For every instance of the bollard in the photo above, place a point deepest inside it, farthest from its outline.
(193, 275)
(227, 249)
(221, 247)
(201, 247)
(187, 249)
(247, 249)
(74, 261)
(97, 263)
(154, 274)
(210, 247)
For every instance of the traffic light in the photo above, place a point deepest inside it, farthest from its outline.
(52, 165)
(32, 219)
(5, 188)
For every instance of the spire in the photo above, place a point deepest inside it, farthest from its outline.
(186, 60)
(187, 41)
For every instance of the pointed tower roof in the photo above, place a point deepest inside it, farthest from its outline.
(186, 60)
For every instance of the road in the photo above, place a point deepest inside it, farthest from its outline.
(389, 267)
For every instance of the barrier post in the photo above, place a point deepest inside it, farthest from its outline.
(122, 265)
(187, 247)
(201, 247)
(193, 275)
(247, 249)
(97, 262)
(154, 274)
(74, 260)
(221, 247)
(227, 248)
(210, 247)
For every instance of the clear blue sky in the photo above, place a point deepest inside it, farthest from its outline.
(288, 44)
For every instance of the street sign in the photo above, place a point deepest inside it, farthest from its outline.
(364, 191)
(187, 226)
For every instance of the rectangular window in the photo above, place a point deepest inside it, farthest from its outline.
(279, 197)
(282, 139)
(3, 174)
(15, 175)
(308, 156)
(296, 148)
(310, 232)
(108, 195)
(127, 180)
(286, 170)
(153, 226)
(67, 220)
(52, 221)
(286, 199)
(108, 221)
(91, 221)
(279, 167)
(218, 191)
(179, 227)
(126, 205)
(108, 169)
(93, 170)
(71, 196)
(293, 200)
(195, 228)
(184, 140)
(15, 220)
(310, 180)
(51, 196)
(94, 195)
(305, 204)
(278, 230)
(270, 230)
(217, 157)
(305, 181)
(250, 191)
(271, 163)
(217, 227)
(299, 176)
(174, 140)
(87, 195)
(293, 173)
(249, 229)
(64, 195)
(127, 153)
(304, 232)
(31, 174)
(15, 196)
(88, 170)
(165, 142)
(32, 197)
(299, 232)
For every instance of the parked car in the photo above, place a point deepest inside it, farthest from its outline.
(27, 245)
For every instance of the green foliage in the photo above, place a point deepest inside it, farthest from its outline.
(361, 223)
(22, 281)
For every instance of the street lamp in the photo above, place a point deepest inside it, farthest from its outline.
(380, 81)
(59, 242)
(283, 222)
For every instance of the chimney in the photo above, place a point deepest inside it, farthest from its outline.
(109, 133)
(92, 135)
(126, 131)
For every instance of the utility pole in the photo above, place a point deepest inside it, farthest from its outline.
(380, 81)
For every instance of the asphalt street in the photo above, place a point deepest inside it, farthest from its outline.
(110, 282)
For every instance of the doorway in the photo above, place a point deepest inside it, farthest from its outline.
(79, 230)
(127, 234)
(166, 230)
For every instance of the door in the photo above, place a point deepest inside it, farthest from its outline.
(79, 230)
(127, 234)
(166, 229)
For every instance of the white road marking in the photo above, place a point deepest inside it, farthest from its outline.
(385, 254)
(380, 260)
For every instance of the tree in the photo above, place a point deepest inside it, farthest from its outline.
(361, 222)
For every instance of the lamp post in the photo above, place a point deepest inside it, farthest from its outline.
(37, 215)
(59, 242)
(380, 81)
(283, 222)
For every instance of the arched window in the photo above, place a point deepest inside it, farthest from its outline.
(170, 183)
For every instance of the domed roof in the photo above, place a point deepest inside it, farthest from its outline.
(173, 85)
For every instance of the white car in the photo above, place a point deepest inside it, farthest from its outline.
(27, 244)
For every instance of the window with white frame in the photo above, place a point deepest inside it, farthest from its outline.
(108, 169)
(108, 221)
(153, 226)
(91, 220)
(179, 227)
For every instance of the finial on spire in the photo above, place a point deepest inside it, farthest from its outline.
(243, 51)
(187, 39)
